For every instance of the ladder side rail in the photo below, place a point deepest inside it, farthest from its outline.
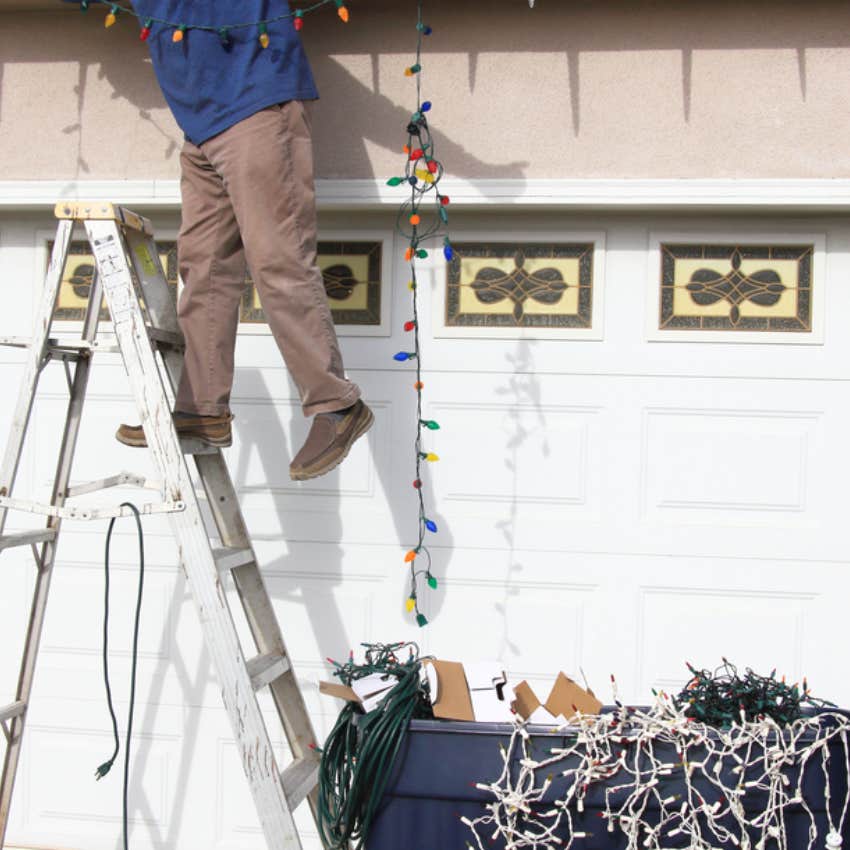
(156, 293)
(34, 362)
(196, 558)
(262, 619)
(259, 611)
(47, 558)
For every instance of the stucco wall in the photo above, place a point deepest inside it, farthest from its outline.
(568, 89)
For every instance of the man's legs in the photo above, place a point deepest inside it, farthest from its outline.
(252, 186)
(266, 162)
(212, 266)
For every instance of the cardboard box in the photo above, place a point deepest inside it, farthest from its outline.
(566, 699)
(476, 691)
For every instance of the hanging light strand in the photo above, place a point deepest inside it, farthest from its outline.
(181, 27)
(422, 174)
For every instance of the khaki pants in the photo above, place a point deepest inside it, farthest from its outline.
(248, 195)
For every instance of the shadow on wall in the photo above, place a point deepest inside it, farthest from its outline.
(353, 114)
(576, 30)
(525, 427)
(314, 587)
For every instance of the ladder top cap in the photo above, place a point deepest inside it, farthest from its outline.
(102, 211)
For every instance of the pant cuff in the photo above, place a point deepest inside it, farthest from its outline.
(334, 404)
(202, 409)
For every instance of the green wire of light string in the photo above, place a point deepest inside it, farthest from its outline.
(360, 752)
(128, 10)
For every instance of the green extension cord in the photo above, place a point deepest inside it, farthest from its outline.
(360, 751)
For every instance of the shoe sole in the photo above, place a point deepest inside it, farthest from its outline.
(142, 443)
(333, 462)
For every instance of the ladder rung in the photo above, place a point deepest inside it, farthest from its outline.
(7, 712)
(193, 446)
(27, 538)
(228, 558)
(299, 779)
(166, 338)
(264, 669)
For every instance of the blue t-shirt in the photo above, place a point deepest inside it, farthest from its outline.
(211, 86)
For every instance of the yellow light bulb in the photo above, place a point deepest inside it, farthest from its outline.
(264, 40)
(109, 20)
(431, 457)
(411, 604)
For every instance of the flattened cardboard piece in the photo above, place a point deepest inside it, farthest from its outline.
(488, 688)
(372, 689)
(449, 690)
(567, 697)
(528, 707)
(525, 700)
(368, 691)
(335, 689)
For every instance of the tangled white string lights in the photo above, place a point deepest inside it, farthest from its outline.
(662, 781)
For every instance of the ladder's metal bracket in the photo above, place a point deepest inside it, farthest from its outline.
(122, 479)
(91, 512)
(39, 562)
(68, 376)
(8, 713)
(72, 348)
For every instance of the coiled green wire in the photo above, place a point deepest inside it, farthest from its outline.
(361, 750)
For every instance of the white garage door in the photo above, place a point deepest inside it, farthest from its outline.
(643, 461)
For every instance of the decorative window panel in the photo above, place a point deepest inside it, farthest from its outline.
(745, 289)
(78, 274)
(521, 288)
(352, 273)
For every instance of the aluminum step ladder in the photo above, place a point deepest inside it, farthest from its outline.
(129, 275)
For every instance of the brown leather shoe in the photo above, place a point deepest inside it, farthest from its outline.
(329, 441)
(211, 430)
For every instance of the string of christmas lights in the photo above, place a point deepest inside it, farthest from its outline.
(422, 174)
(718, 698)
(659, 779)
(180, 29)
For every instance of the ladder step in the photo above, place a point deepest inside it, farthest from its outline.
(167, 339)
(27, 538)
(264, 669)
(228, 558)
(70, 346)
(193, 446)
(7, 712)
(299, 779)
